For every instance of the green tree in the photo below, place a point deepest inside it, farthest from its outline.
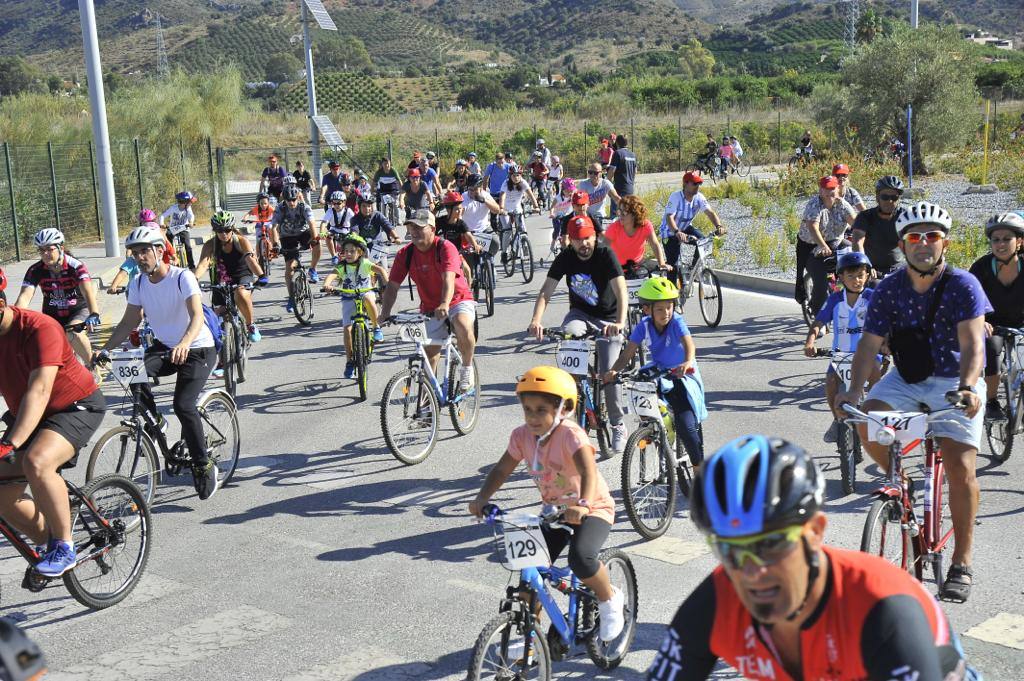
(282, 67)
(341, 52)
(17, 76)
(695, 60)
(484, 93)
(869, 26)
(926, 68)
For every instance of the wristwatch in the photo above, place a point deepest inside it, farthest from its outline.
(968, 388)
(583, 502)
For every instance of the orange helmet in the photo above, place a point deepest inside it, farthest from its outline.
(549, 380)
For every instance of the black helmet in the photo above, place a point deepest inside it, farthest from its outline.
(291, 193)
(889, 182)
(473, 180)
(20, 657)
(262, 195)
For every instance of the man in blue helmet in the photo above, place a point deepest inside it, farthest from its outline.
(784, 606)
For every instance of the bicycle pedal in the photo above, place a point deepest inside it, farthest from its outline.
(33, 581)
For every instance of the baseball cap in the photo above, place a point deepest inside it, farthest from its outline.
(693, 176)
(422, 218)
(580, 198)
(580, 227)
(415, 172)
(840, 169)
(828, 182)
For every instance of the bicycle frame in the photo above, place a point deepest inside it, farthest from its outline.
(419, 362)
(564, 623)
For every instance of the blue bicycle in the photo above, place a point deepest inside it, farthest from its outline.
(511, 648)
(578, 356)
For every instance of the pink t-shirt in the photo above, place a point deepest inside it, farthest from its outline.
(725, 151)
(553, 470)
(628, 247)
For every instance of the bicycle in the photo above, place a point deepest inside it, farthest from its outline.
(848, 443)
(130, 449)
(111, 526)
(182, 249)
(636, 274)
(389, 206)
(485, 275)
(1000, 434)
(573, 354)
(517, 249)
(300, 295)
(709, 288)
(707, 166)
(264, 247)
(413, 396)
(893, 503)
(740, 167)
(362, 335)
(510, 645)
(652, 466)
(801, 158)
(234, 349)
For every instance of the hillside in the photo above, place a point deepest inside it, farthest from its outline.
(420, 94)
(341, 92)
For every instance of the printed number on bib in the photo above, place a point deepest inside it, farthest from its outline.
(643, 399)
(842, 364)
(632, 288)
(129, 366)
(573, 356)
(483, 239)
(525, 547)
(705, 246)
(417, 333)
(909, 425)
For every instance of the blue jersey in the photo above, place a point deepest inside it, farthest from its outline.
(666, 348)
(847, 322)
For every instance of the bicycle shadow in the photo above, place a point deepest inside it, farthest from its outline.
(299, 397)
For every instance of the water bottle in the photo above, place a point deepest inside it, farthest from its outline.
(667, 420)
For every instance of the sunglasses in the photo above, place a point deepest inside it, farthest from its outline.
(593, 172)
(888, 197)
(926, 237)
(1003, 239)
(291, 200)
(763, 549)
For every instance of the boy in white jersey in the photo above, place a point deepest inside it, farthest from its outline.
(845, 310)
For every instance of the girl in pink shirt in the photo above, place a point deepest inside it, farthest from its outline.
(562, 463)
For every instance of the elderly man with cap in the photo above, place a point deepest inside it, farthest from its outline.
(682, 208)
(331, 182)
(822, 231)
(597, 302)
(847, 193)
(435, 266)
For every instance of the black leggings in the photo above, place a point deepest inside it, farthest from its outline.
(687, 427)
(584, 545)
(993, 355)
(192, 377)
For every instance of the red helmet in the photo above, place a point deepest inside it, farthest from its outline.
(451, 198)
(580, 198)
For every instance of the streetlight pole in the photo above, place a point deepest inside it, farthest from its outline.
(910, 109)
(98, 109)
(314, 132)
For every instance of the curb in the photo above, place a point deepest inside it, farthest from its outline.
(749, 282)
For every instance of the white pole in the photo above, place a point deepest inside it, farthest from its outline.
(98, 109)
(314, 134)
(913, 13)
(910, 111)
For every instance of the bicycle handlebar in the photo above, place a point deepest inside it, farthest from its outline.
(560, 334)
(492, 515)
(1007, 331)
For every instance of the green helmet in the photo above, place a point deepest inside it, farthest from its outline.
(222, 221)
(657, 288)
(355, 240)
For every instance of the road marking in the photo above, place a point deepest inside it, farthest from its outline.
(670, 550)
(1005, 628)
(367, 664)
(157, 655)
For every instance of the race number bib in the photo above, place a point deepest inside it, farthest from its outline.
(177, 228)
(483, 239)
(573, 356)
(129, 366)
(643, 399)
(705, 246)
(417, 333)
(632, 288)
(909, 425)
(842, 364)
(525, 547)
(379, 252)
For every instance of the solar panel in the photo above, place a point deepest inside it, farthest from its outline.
(319, 12)
(330, 133)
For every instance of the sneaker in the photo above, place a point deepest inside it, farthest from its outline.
(206, 479)
(350, 369)
(254, 334)
(612, 616)
(619, 435)
(44, 549)
(288, 307)
(218, 372)
(832, 434)
(378, 334)
(57, 560)
(335, 260)
(465, 378)
(313, 276)
(994, 411)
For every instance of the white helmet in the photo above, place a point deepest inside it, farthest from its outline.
(1011, 221)
(923, 213)
(50, 236)
(540, 141)
(144, 236)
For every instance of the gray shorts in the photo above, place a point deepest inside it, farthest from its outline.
(954, 424)
(348, 307)
(436, 328)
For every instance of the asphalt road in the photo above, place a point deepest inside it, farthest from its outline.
(328, 559)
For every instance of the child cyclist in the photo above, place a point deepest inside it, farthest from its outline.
(561, 208)
(263, 215)
(560, 459)
(664, 332)
(845, 310)
(179, 219)
(355, 273)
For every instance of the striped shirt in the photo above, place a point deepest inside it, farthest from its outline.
(847, 321)
(684, 210)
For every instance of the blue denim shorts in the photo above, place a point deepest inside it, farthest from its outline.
(954, 424)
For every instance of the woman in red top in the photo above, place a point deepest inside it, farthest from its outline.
(631, 232)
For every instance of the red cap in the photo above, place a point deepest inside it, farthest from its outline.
(333, 164)
(580, 198)
(828, 182)
(604, 141)
(415, 172)
(693, 176)
(580, 227)
(840, 169)
(451, 198)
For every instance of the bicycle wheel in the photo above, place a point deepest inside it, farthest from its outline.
(525, 257)
(709, 292)
(264, 256)
(805, 306)
(623, 577)
(360, 357)
(742, 168)
(793, 161)
(220, 425)
(943, 519)
(1000, 434)
(648, 483)
(241, 350)
(409, 417)
(846, 443)
(491, 276)
(112, 533)
(302, 297)
(463, 407)
(227, 357)
(119, 452)
(885, 536)
(603, 428)
(499, 651)
(508, 258)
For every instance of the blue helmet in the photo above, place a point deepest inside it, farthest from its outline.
(853, 259)
(756, 484)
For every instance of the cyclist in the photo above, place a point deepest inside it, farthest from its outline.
(841, 172)
(180, 220)
(632, 233)
(725, 159)
(459, 176)
(234, 262)
(597, 301)
(495, 176)
(543, 151)
(453, 228)
(539, 172)
(386, 180)
(304, 181)
(561, 461)
(335, 223)
(294, 222)
(999, 274)
(68, 294)
(511, 201)
(874, 229)
(370, 223)
(435, 266)
(737, 150)
(415, 194)
(708, 158)
(272, 178)
(931, 362)
(478, 207)
(53, 408)
(263, 215)
(561, 209)
(845, 310)
(805, 147)
(474, 164)
(555, 172)
(333, 181)
(170, 298)
(431, 170)
(665, 334)
(822, 231)
(782, 605)
(356, 272)
(683, 207)
(598, 190)
(361, 185)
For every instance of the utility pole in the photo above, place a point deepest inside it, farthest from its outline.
(314, 135)
(162, 67)
(98, 109)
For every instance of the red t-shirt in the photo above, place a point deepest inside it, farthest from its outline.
(604, 155)
(628, 247)
(427, 271)
(36, 340)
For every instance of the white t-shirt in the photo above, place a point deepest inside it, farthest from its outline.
(337, 221)
(179, 219)
(598, 195)
(165, 306)
(514, 197)
(476, 215)
(683, 210)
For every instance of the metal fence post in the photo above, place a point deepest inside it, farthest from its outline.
(679, 142)
(95, 191)
(181, 152)
(214, 187)
(53, 185)
(474, 142)
(583, 151)
(632, 133)
(437, 144)
(390, 151)
(14, 209)
(138, 172)
(778, 138)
